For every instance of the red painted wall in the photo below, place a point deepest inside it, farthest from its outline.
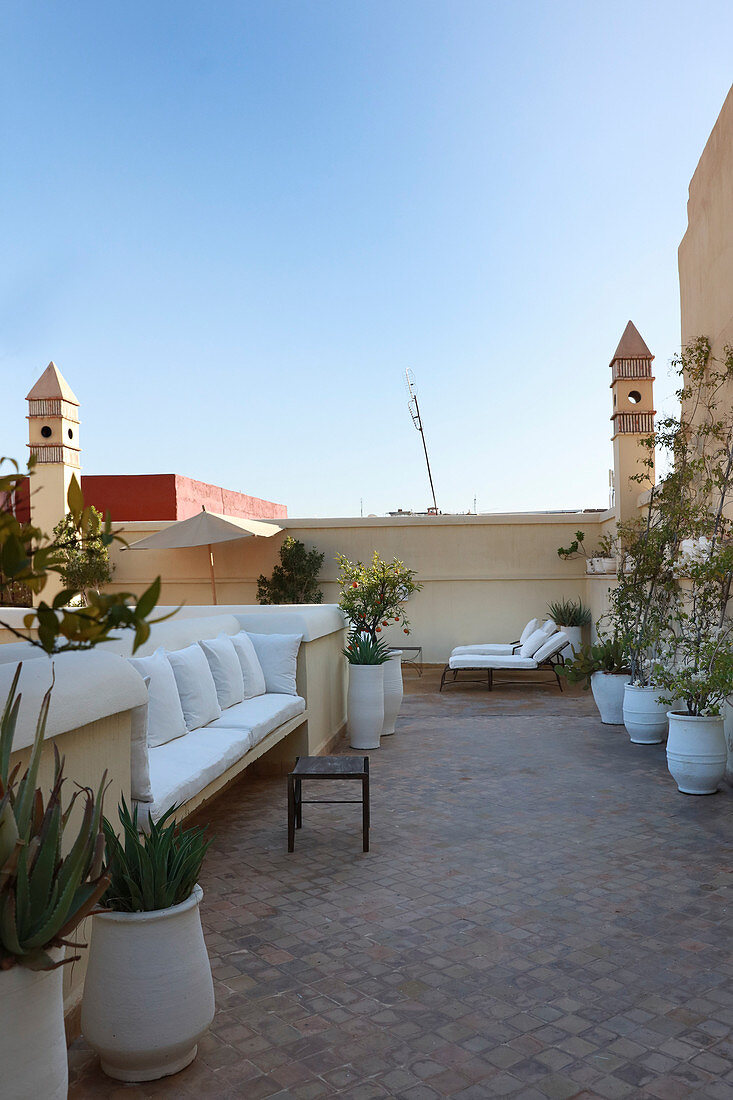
(169, 497)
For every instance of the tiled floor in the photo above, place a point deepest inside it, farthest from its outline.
(541, 915)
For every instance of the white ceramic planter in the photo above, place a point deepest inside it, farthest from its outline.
(33, 1062)
(393, 691)
(365, 706)
(575, 640)
(645, 717)
(728, 726)
(696, 752)
(148, 994)
(608, 692)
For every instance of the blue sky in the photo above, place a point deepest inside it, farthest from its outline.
(234, 225)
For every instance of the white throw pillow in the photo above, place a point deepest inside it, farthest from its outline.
(549, 627)
(225, 668)
(533, 643)
(532, 625)
(165, 715)
(252, 674)
(552, 645)
(278, 656)
(140, 787)
(196, 687)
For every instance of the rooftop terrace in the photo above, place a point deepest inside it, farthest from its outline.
(541, 915)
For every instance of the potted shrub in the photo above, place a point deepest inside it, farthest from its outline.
(44, 895)
(373, 598)
(365, 699)
(570, 616)
(604, 668)
(148, 994)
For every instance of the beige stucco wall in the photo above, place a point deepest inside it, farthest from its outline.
(706, 251)
(483, 576)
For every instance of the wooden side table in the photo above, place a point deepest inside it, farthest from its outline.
(327, 767)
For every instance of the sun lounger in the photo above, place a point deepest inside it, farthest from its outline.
(545, 655)
(498, 649)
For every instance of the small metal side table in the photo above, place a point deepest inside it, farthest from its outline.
(327, 767)
(415, 661)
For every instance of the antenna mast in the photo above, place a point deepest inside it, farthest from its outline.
(417, 421)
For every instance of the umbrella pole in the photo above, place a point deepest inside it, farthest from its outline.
(211, 574)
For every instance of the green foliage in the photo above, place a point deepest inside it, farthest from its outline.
(30, 557)
(362, 649)
(84, 554)
(44, 895)
(372, 596)
(607, 655)
(295, 580)
(576, 549)
(569, 613)
(152, 870)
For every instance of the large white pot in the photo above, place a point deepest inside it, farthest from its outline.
(33, 1063)
(365, 706)
(148, 994)
(393, 691)
(696, 752)
(645, 717)
(608, 692)
(728, 726)
(575, 640)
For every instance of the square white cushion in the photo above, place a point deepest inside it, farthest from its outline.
(225, 668)
(140, 788)
(196, 687)
(252, 674)
(552, 646)
(549, 627)
(165, 714)
(278, 657)
(260, 715)
(533, 643)
(532, 625)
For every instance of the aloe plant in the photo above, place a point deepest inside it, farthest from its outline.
(44, 895)
(152, 870)
(569, 613)
(362, 649)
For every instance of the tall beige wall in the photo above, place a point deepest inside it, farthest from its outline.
(706, 251)
(483, 576)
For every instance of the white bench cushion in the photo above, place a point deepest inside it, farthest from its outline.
(182, 768)
(225, 668)
(260, 715)
(253, 676)
(478, 660)
(165, 714)
(196, 687)
(278, 657)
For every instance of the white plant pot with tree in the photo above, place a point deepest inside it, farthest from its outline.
(696, 752)
(393, 691)
(644, 714)
(608, 692)
(602, 667)
(149, 994)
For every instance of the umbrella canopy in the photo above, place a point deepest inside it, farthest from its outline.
(205, 529)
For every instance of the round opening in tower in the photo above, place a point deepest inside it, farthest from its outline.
(634, 397)
(46, 432)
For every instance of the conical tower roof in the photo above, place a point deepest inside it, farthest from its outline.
(51, 386)
(631, 345)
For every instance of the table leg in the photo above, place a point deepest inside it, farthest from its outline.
(291, 813)
(365, 806)
(298, 804)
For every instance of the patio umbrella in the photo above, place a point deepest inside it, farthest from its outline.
(206, 529)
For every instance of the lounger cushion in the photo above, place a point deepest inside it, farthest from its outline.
(165, 715)
(549, 627)
(254, 677)
(552, 646)
(196, 687)
(532, 625)
(479, 661)
(489, 649)
(225, 668)
(533, 643)
(261, 715)
(182, 768)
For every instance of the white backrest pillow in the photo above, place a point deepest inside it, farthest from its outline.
(165, 714)
(196, 687)
(140, 787)
(225, 668)
(278, 656)
(533, 643)
(532, 625)
(549, 627)
(252, 674)
(552, 646)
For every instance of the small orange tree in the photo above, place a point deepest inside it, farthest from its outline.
(372, 596)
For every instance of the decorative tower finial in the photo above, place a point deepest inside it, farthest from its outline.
(632, 385)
